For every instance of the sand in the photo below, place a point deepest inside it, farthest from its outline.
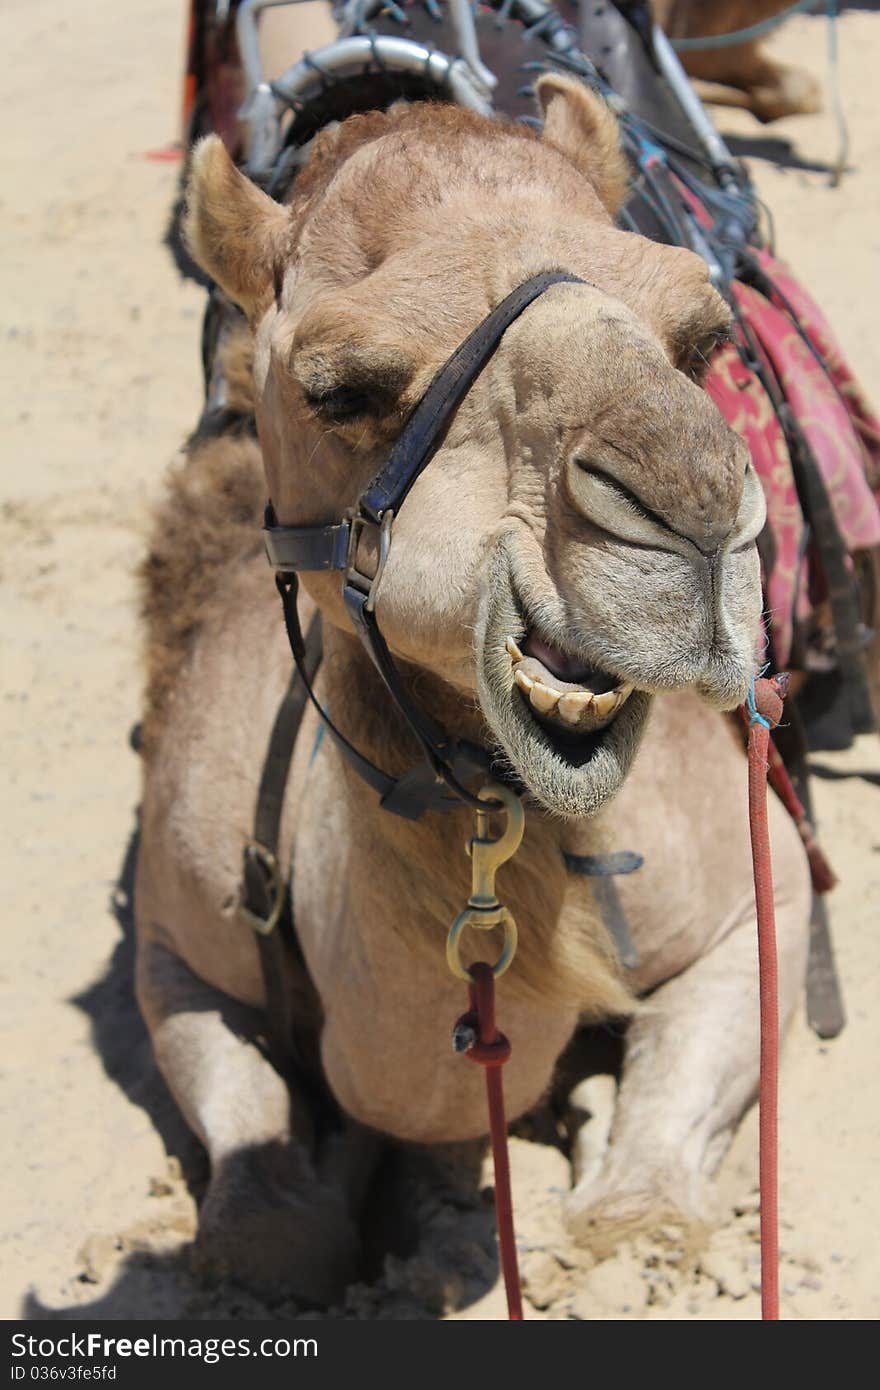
(101, 381)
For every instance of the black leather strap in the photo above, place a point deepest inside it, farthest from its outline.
(273, 783)
(418, 790)
(288, 588)
(424, 431)
(607, 900)
(430, 734)
(603, 869)
(438, 748)
(291, 1014)
(622, 861)
(292, 549)
(309, 548)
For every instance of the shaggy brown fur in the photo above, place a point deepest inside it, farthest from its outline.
(207, 523)
(588, 135)
(237, 363)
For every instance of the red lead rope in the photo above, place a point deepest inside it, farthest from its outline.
(477, 1035)
(765, 712)
(491, 1049)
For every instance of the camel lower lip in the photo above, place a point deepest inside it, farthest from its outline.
(576, 749)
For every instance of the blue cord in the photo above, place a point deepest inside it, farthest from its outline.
(319, 739)
(754, 31)
(754, 716)
(837, 105)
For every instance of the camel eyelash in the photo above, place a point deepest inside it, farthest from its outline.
(340, 404)
(697, 361)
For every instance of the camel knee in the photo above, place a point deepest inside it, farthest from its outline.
(276, 1217)
(205, 1047)
(601, 1216)
(772, 90)
(784, 91)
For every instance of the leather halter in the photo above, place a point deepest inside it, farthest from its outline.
(438, 785)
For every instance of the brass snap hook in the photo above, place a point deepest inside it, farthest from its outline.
(483, 910)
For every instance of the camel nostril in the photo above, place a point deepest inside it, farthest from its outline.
(611, 505)
(621, 492)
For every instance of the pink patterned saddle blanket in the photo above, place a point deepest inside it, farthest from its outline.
(795, 370)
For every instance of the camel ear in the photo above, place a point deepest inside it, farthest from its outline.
(235, 231)
(579, 124)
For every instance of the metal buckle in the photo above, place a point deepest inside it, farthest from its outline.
(268, 865)
(362, 582)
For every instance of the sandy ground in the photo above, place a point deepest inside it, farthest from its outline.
(100, 378)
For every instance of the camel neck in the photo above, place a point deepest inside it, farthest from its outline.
(359, 704)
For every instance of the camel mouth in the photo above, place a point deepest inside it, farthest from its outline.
(569, 728)
(566, 697)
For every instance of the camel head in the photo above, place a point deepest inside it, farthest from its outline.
(584, 537)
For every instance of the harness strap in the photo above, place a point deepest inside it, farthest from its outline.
(294, 549)
(439, 749)
(309, 548)
(826, 1013)
(266, 897)
(270, 797)
(429, 421)
(602, 869)
(418, 790)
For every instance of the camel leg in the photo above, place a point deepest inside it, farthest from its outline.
(270, 1218)
(690, 1071)
(772, 89)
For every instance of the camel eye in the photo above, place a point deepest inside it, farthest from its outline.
(340, 403)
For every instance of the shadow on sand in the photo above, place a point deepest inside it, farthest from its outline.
(775, 149)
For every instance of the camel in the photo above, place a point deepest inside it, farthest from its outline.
(573, 584)
(741, 74)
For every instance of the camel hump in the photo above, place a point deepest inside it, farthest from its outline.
(206, 525)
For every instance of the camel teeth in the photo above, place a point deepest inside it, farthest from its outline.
(513, 650)
(574, 706)
(523, 681)
(543, 699)
(606, 703)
